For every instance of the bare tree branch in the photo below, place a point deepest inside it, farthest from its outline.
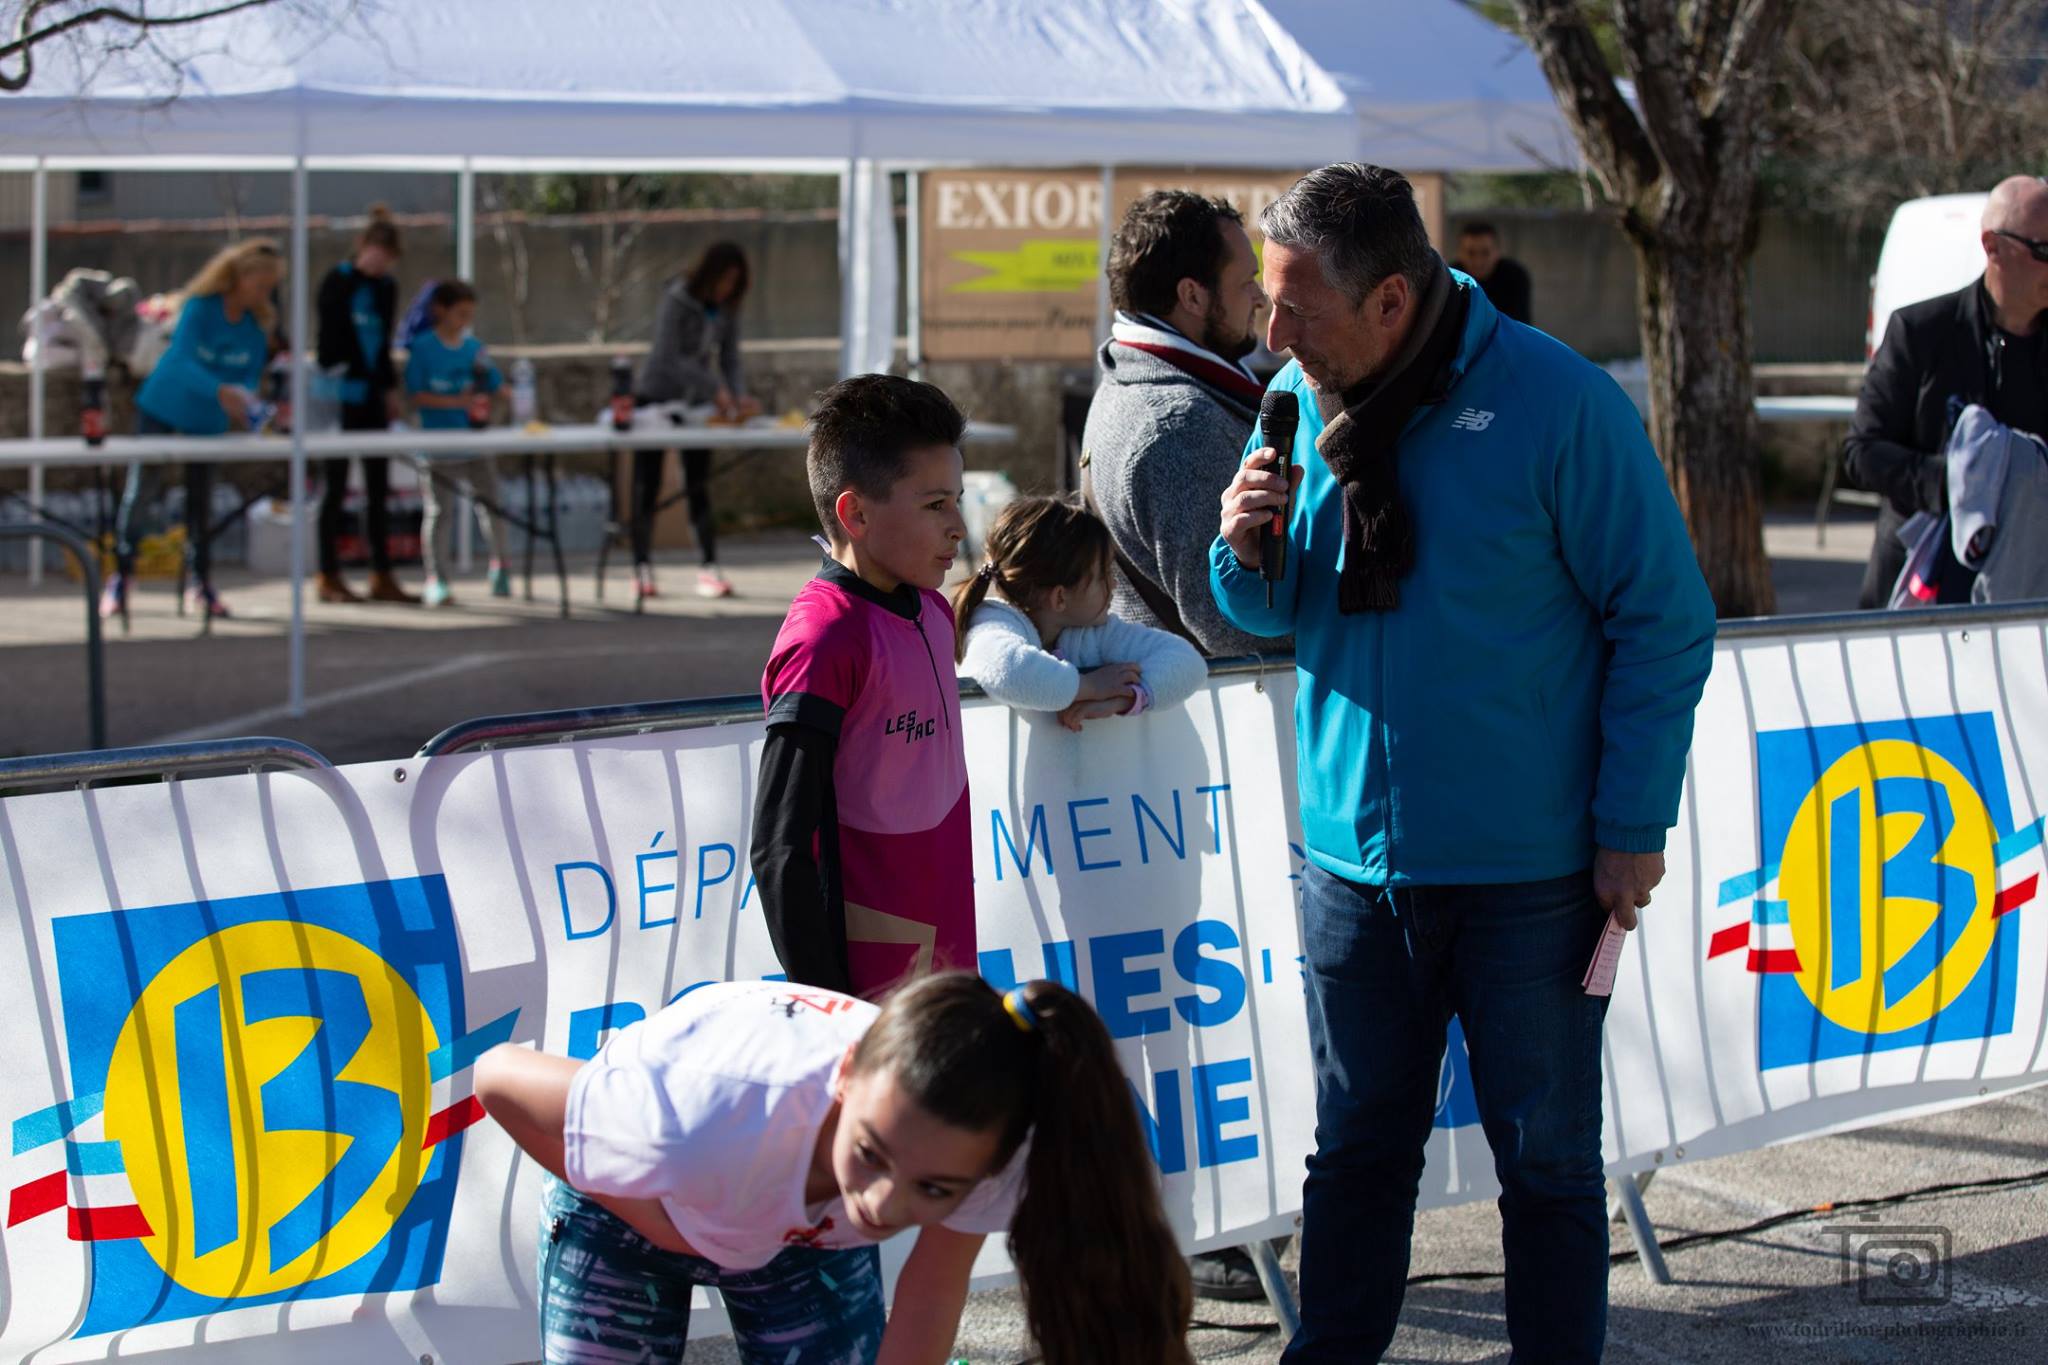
(1617, 150)
(27, 35)
(1659, 59)
(1757, 29)
(1711, 22)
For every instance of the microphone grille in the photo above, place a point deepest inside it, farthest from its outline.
(1279, 416)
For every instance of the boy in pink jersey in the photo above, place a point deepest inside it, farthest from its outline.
(861, 839)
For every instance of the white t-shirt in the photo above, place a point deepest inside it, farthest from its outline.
(713, 1106)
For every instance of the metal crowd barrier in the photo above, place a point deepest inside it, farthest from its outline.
(1832, 622)
(95, 651)
(650, 717)
(596, 722)
(494, 732)
(167, 761)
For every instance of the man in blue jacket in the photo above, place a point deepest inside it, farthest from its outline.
(1501, 633)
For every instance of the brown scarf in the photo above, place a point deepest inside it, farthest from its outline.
(1359, 446)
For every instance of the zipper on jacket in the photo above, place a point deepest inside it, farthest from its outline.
(1386, 753)
(938, 683)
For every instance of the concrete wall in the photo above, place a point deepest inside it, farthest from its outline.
(1809, 279)
(795, 257)
(1809, 283)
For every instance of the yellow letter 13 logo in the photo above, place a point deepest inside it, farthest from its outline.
(253, 1116)
(1882, 915)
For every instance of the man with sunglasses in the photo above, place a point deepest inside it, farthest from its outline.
(1987, 344)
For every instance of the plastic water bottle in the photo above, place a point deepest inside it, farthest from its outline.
(525, 401)
(622, 394)
(479, 397)
(92, 406)
(258, 408)
(280, 392)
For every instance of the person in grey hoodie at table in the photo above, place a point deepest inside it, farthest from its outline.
(694, 360)
(1171, 413)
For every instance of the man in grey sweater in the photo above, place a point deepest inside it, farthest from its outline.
(1174, 408)
(1166, 432)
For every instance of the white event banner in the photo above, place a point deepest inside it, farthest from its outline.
(244, 1010)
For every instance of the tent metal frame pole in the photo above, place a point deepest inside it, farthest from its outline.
(465, 269)
(1102, 317)
(38, 290)
(295, 698)
(465, 222)
(913, 270)
(852, 238)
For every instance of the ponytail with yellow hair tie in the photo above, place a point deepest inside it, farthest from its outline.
(1019, 1009)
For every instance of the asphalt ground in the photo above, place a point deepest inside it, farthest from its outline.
(382, 679)
(1790, 1290)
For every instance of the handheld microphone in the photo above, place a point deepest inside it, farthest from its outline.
(1279, 415)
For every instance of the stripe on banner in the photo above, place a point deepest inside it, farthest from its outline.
(2016, 895)
(48, 1125)
(93, 1158)
(1730, 940)
(1748, 884)
(107, 1225)
(1784, 960)
(458, 1054)
(451, 1121)
(2023, 840)
(36, 1198)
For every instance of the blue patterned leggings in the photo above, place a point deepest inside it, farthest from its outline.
(609, 1296)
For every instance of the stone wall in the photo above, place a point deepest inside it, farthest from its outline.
(1809, 283)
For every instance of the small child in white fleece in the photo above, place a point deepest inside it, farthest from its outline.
(1035, 630)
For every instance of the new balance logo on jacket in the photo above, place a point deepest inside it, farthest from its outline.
(1472, 419)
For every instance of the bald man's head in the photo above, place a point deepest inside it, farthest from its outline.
(2019, 204)
(2015, 240)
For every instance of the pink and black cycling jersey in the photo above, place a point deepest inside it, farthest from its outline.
(861, 842)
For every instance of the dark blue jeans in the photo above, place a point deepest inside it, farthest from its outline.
(1385, 971)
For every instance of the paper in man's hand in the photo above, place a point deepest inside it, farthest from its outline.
(1606, 958)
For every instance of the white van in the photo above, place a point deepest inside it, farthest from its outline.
(1933, 247)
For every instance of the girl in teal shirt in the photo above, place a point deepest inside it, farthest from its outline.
(446, 372)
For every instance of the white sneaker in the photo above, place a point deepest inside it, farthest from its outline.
(712, 583)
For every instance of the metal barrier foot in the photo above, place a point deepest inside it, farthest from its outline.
(1641, 1230)
(1279, 1293)
(1615, 1212)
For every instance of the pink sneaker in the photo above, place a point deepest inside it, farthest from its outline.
(643, 584)
(113, 597)
(204, 600)
(712, 583)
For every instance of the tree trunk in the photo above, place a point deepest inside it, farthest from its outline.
(1696, 340)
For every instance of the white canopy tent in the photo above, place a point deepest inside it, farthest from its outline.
(1434, 86)
(853, 88)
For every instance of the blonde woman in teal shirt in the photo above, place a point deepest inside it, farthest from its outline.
(203, 386)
